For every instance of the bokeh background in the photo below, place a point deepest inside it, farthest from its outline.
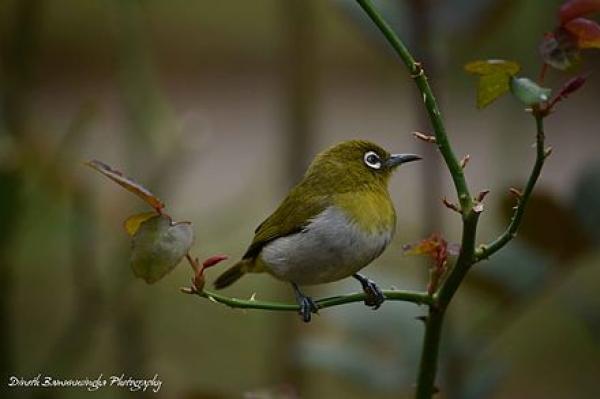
(218, 106)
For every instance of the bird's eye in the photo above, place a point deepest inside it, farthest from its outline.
(372, 160)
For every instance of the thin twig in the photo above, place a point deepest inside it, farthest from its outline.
(419, 298)
(487, 250)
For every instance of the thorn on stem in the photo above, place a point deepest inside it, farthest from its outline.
(482, 194)
(481, 251)
(464, 161)
(418, 71)
(478, 208)
(425, 137)
(451, 205)
(547, 152)
(515, 192)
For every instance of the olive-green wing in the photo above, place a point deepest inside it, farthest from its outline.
(290, 217)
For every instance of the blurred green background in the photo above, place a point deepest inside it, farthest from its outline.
(217, 107)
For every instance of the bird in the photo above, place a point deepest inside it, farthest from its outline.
(334, 222)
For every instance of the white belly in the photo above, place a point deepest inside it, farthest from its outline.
(330, 248)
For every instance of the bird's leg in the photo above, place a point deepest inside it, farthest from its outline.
(374, 296)
(307, 305)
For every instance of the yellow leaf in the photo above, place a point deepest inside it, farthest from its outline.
(133, 223)
(490, 87)
(489, 67)
(494, 76)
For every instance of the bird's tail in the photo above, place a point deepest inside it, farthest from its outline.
(232, 274)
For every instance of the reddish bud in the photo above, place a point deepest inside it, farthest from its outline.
(570, 87)
(213, 260)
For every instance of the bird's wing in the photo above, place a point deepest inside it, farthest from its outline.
(290, 217)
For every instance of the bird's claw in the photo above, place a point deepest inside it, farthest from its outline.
(373, 295)
(307, 307)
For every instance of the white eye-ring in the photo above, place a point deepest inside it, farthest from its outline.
(372, 160)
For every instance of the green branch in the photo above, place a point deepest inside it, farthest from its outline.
(466, 258)
(419, 298)
(418, 74)
(486, 250)
(429, 353)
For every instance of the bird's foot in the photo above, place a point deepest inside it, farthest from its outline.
(374, 296)
(306, 304)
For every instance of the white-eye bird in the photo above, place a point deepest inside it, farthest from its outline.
(337, 220)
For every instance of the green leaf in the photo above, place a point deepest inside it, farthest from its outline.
(158, 246)
(490, 67)
(490, 87)
(494, 76)
(529, 92)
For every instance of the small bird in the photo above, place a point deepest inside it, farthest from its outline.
(337, 220)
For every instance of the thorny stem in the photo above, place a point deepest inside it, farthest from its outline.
(463, 263)
(419, 298)
(429, 352)
(486, 250)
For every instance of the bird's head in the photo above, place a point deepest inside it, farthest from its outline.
(357, 162)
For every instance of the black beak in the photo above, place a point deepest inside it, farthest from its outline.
(398, 159)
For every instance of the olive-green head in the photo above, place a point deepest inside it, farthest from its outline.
(355, 163)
